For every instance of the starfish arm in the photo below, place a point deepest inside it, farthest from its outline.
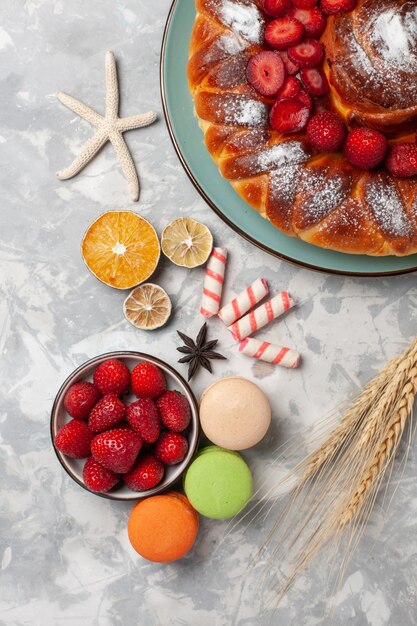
(136, 121)
(112, 87)
(80, 108)
(89, 150)
(127, 164)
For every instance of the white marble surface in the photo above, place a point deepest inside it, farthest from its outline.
(64, 554)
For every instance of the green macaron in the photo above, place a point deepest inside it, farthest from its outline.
(218, 483)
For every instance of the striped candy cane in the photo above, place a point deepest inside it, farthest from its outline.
(213, 282)
(264, 351)
(262, 315)
(244, 301)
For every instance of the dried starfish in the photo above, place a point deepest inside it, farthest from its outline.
(110, 127)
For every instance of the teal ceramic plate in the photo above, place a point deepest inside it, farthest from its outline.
(218, 193)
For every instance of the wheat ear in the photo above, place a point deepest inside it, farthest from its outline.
(386, 452)
(352, 419)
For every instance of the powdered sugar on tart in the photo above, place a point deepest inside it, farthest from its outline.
(244, 19)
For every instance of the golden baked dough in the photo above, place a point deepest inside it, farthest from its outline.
(371, 64)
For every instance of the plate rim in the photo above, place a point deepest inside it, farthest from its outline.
(215, 208)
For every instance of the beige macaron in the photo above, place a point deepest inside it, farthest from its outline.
(234, 413)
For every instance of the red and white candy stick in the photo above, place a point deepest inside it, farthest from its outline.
(264, 351)
(244, 301)
(262, 315)
(213, 282)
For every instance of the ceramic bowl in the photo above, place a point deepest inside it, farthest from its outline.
(59, 416)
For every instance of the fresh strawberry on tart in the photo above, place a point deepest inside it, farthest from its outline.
(309, 109)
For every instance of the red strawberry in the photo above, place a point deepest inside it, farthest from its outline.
(289, 116)
(175, 411)
(326, 131)
(112, 376)
(80, 399)
(116, 449)
(145, 474)
(74, 439)
(289, 89)
(276, 8)
(314, 80)
(171, 448)
(313, 20)
(291, 66)
(365, 148)
(148, 381)
(308, 53)
(333, 7)
(305, 98)
(266, 72)
(108, 412)
(144, 419)
(402, 160)
(304, 4)
(98, 478)
(283, 33)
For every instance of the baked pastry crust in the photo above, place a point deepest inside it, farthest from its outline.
(320, 198)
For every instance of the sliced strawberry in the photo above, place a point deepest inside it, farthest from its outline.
(304, 4)
(308, 53)
(266, 72)
(314, 80)
(276, 8)
(289, 89)
(289, 116)
(283, 33)
(365, 148)
(402, 160)
(334, 7)
(313, 20)
(326, 131)
(291, 66)
(305, 98)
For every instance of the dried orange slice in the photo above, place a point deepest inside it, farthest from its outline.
(121, 249)
(186, 242)
(148, 307)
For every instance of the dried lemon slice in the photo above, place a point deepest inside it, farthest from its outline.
(187, 242)
(147, 307)
(121, 249)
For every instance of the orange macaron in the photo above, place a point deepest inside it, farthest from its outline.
(163, 528)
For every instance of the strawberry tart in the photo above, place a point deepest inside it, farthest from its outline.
(309, 109)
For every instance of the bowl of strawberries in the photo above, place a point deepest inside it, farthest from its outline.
(125, 425)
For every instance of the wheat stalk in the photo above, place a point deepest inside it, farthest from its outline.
(336, 485)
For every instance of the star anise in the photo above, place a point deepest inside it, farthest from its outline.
(198, 353)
